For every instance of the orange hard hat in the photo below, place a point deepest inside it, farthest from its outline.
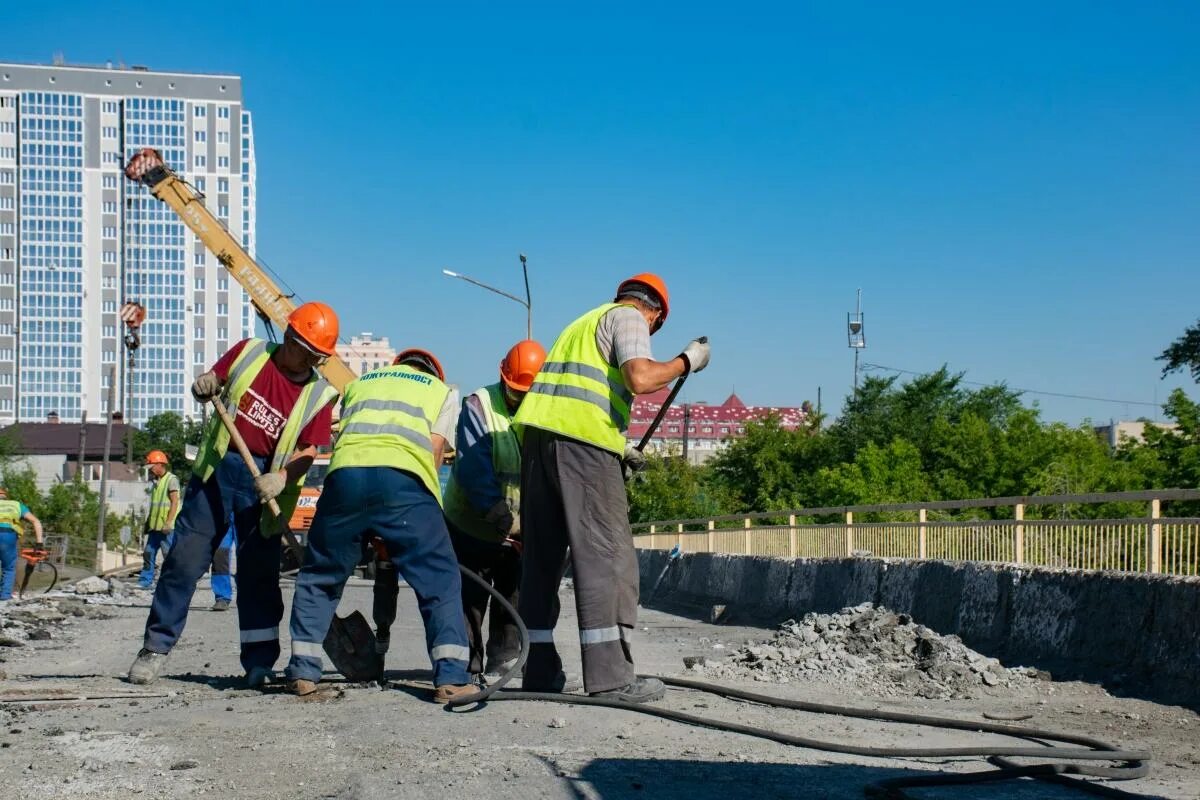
(521, 364)
(157, 457)
(316, 325)
(656, 285)
(423, 359)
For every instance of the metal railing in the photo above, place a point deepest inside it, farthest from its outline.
(1144, 543)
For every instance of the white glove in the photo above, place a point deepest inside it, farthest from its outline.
(634, 460)
(270, 485)
(206, 387)
(696, 355)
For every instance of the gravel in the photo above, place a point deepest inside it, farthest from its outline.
(883, 653)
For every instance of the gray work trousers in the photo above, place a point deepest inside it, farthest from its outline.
(573, 499)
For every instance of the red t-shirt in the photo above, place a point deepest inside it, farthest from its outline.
(263, 410)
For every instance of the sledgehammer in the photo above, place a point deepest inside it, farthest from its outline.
(240, 443)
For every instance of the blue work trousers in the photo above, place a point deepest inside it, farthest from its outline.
(199, 530)
(222, 576)
(397, 507)
(155, 541)
(8, 561)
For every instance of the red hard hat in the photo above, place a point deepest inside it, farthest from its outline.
(656, 285)
(156, 457)
(316, 325)
(521, 364)
(423, 358)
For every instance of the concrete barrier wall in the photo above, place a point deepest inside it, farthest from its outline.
(1137, 634)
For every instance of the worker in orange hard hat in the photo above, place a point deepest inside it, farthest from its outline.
(483, 505)
(283, 409)
(573, 452)
(397, 422)
(160, 522)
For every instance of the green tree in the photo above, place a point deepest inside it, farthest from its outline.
(1184, 353)
(670, 488)
(170, 433)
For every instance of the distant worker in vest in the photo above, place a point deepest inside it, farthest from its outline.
(284, 411)
(483, 506)
(12, 513)
(164, 507)
(573, 452)
(396, 423)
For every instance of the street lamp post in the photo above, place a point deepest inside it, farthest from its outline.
(527, 302)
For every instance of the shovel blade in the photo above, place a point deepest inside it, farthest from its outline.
(350, 644)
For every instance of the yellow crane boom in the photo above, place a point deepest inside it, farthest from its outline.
(148, 167)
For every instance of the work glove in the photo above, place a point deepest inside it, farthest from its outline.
(206, 387)
(270, 485)
(633, 461)
(696, 355)
(502, 517)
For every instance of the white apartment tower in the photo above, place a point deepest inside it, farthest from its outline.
(77, 239)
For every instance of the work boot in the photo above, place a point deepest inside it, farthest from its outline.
(258, 677)
(301, 687)
(147, 666)
(559, 684)
(221, 605)
(642, 690)
(453, 691)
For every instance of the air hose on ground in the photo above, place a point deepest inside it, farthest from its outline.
(1133, 763)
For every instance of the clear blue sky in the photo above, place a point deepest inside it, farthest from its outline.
(1016, 190)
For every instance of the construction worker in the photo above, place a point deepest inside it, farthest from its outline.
(12, 513)
(573, 451)
(160, 522)
(284, 410)
(483, 505)
(396, 423)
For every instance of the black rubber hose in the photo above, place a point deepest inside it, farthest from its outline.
(1134, 761)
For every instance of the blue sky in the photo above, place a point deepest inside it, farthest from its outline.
(1016, 190)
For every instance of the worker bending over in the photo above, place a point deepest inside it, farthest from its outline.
(483, 506)
(573, 423)
(12, 512)
(284, 411)
(395, 425)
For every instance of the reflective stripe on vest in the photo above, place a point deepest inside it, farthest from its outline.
(506, 466)
(160, 504)
(387, 421)
(10, 515)
(577, 393)
(317, 394)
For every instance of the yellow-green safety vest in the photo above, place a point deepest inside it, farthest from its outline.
(506, 466)
(577, 393)
(387, 421)
(317, 394)
(10, 515)
(160, 504)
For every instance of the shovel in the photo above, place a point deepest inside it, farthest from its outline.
(350, 642)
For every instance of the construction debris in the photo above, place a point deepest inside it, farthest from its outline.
(881, 652)
(90, 585)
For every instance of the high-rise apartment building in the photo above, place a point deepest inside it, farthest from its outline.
(366, 352)
(77, 240)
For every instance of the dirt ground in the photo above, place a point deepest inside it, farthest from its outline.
(196, 732)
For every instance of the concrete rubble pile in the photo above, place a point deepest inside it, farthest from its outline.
(50, 616)
(882, 652)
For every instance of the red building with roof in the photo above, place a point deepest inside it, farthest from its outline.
(707, 426)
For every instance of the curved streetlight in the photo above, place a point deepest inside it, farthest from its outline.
(527, 302)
